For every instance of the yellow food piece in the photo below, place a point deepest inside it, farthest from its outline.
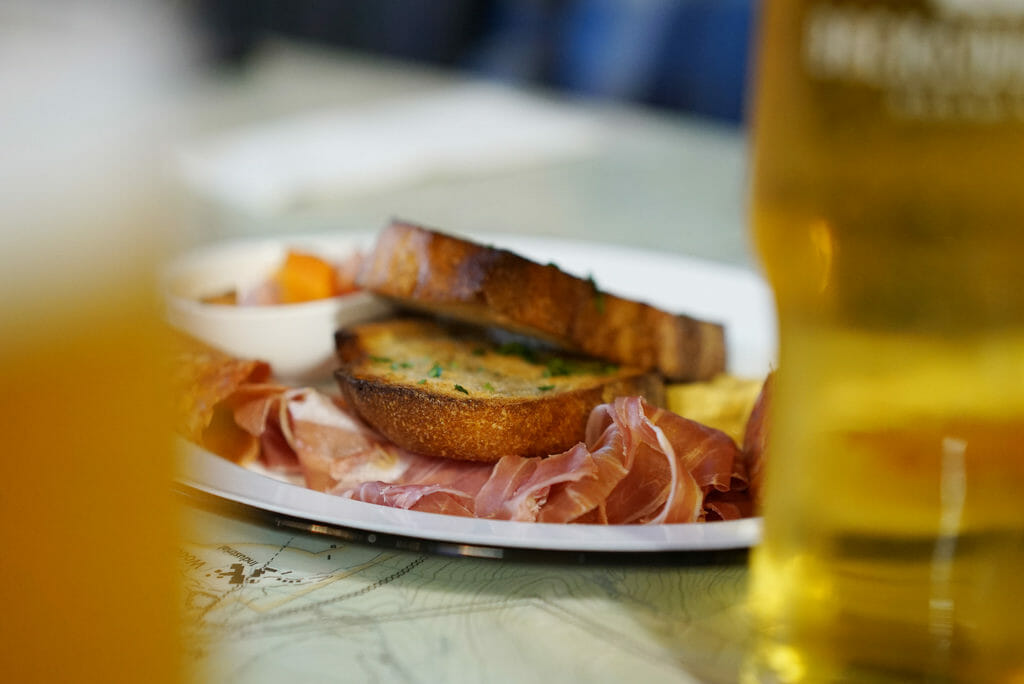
(724, 402)
(305, 277)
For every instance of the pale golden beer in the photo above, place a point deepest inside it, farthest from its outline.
(90, 579)
(888, 210)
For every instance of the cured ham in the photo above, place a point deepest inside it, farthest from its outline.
(206, 383)
(310, 433)
(425, 498)
(434, 485)
(671, 463)
(518, 487)
(636, 463)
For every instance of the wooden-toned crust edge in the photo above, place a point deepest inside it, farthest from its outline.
(483, 429)
(433, 271)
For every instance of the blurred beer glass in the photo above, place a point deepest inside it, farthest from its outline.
(89, 588)
(888, 209)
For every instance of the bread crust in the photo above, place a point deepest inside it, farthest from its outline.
(446, 391)
(442, 274)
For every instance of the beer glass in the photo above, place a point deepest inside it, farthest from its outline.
(90, 588)
(888, 211)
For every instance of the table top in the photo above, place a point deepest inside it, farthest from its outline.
(267, 602)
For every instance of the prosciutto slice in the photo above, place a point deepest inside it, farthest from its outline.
(671, 462)
(434, 485)
(518, 487)
(637, 463)
(206, 383)
(415, 497)
(310, 433)
(582, 499)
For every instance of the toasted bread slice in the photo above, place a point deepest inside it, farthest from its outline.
(451, 391)
(446, 275)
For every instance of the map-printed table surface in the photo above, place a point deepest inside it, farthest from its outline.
(267, 604)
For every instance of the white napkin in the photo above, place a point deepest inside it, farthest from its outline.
(462, 130)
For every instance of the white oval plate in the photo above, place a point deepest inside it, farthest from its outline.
(735, 297)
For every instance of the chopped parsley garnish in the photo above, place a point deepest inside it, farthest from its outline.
(460, 388)
(435, 371)
(380, 359)
(395, 365)
(545, 388)
(422, 382)
(557, 367)
(489, 387)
